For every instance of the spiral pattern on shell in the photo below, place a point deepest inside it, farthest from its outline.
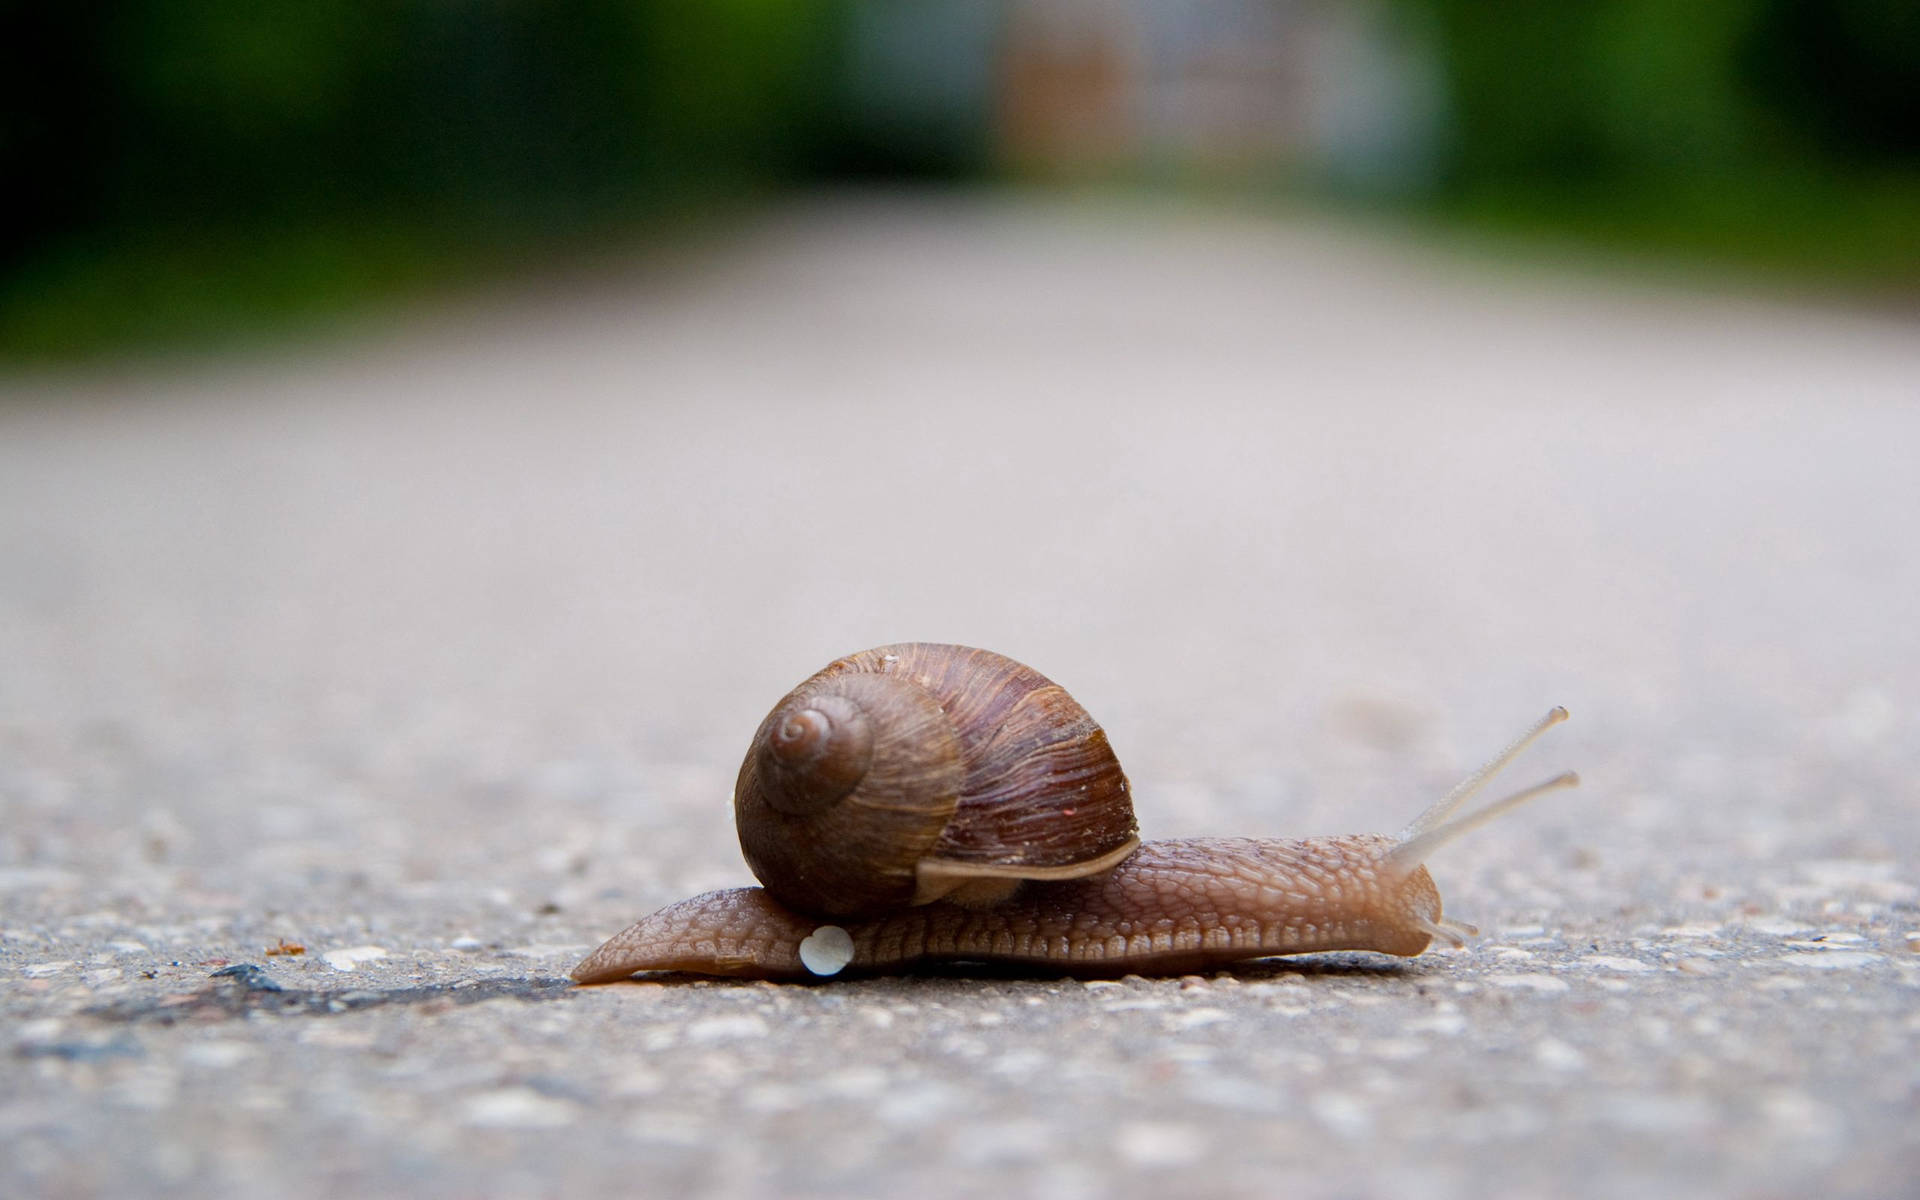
(911, 772)
(818, 753)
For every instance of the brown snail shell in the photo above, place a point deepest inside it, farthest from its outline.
(922, 771)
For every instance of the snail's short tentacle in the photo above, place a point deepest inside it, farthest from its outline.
(1454, 933)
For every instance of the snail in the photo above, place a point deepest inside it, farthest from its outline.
(925, 803)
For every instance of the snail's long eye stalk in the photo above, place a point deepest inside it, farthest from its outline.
(1413, 851)
(1438, 826)
(1466, 788)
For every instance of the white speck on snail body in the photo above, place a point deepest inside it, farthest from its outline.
(826, 950)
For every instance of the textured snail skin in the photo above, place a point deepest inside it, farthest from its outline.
(1172, 907)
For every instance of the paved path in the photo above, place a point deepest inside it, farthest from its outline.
(434, 652)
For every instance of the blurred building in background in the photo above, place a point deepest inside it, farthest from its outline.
(1250, 89)
(1237, 90)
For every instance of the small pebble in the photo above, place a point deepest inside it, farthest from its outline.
(1830, 960)
(350, 957)
(1018, 1064)
(336, 1036)
(1538, 983)
(1345, 1115)
(1198, 1018)
(1444, 1024)
(46, 1029)
(1558, 1055)
(855, 1083)
(1799, 1116)
(773, 1098)
(637, 1081)
(1132, 1005)
(518, 1108)
(216, 1056)
(726, 1029)
(1393, 1049)
(918, 1104)
(1777, 926)
(671, 1129)
(1158, 1144)
(1005, 1142)
(1225, 1091)
(1692, 931)
(1611, 962)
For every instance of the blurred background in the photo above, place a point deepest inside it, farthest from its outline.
(190, 169)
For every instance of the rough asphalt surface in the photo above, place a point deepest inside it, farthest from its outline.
(433, 653)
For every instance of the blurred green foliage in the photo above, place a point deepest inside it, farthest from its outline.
(180, 165)
(1778, 133)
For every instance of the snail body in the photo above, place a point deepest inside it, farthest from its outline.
(1010, 887)
(1172, 907)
